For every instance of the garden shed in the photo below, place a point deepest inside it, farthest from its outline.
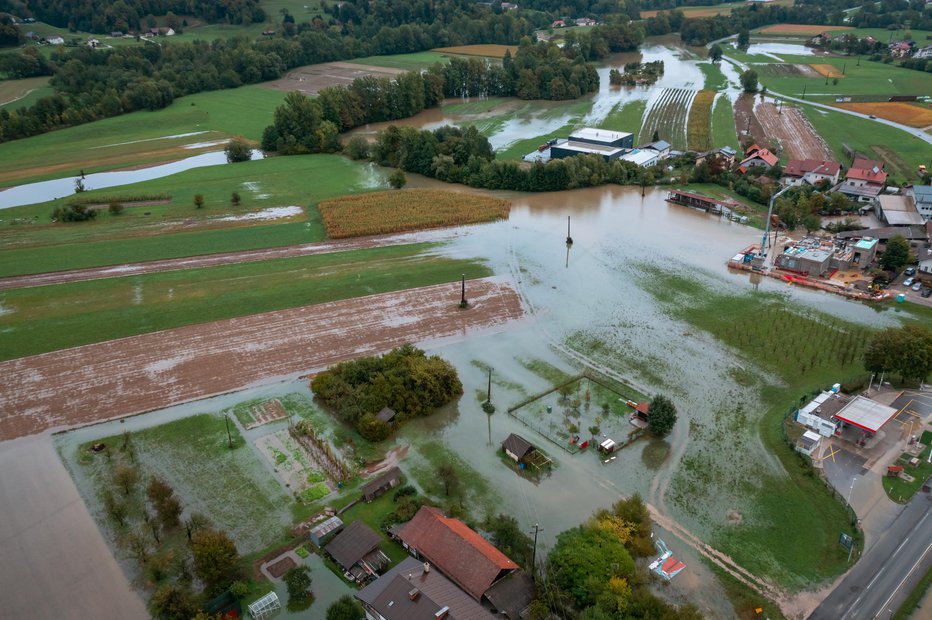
(386, 415)
(379, 486)
(319, 533)
(522, 451)
(356, 550)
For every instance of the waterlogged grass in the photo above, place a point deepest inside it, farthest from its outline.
(575, 111)
(714, 78)
(792, 537)
(171, 230)
(745, 600)
(724, 132)
(552, 374)
(50, 318)
(477, 495)
(230, 486)
(474, 106)
(626, 117)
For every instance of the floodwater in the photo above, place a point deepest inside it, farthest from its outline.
(774, 50)
(43, 191)
(545, 117)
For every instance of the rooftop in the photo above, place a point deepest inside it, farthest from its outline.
(639, 157)
(801, 167)
(352, 544)
(379, 482)
(866, 414)
(602, 135)
(900, 211)
(591, 149)
(518, 445)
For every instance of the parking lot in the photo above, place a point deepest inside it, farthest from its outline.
(916, 297)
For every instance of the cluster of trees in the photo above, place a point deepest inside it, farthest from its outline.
(591, 570)
(802, 207)
(662, 416)
(464, 156)
(404, 379)
(125, 15)
(893, 14)
(637, 73)
(10, 34)
(906, 351)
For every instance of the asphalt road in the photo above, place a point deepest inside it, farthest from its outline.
(888, 572)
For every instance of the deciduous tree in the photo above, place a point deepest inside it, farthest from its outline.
(749, 81)
(662, 416)
(216, 560)
(896, 255)
(345, 608)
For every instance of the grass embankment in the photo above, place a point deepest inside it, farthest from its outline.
(19, 93)
(140, 137)
(176, 228)
(50, 318)
(724, 132)
(901, 152)
(793, 537)
(404, 210)
(900, 490)
(699, 125)
(626, 117)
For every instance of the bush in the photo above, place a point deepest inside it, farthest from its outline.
(199, 201)
(357, 148)
(235, 198)
(238, 149)
(115, 208)
(404, 491)
(397, 179)
(74, 213)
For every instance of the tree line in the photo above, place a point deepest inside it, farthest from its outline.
(124, 15)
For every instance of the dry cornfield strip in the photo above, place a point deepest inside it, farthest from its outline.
(699, 127)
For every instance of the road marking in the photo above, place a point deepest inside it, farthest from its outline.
(879, 572)
(905, 578)
(832, 453)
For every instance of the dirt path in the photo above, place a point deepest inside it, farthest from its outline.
(214, 260)
(132, 375)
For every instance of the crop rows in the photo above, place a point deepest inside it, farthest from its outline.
(405, 210)
(668, 115)
(698, 130)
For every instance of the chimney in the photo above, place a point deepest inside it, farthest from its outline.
(426, 567)
(413, 594)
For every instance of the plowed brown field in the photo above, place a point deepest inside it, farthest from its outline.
(133, 375)
(793, 132)
(488, 51)
(828, 71)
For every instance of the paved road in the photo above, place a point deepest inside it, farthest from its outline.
(888, 572)
(910, 130)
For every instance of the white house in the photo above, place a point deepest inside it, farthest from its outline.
(55, 41)
(811, 171)
(922, 199)
(644, 159)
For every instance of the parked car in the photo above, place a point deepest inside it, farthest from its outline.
(926, 292)
(917, 286)
(910, 271)
(908, 281)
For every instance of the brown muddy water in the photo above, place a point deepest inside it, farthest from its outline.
(590, 293)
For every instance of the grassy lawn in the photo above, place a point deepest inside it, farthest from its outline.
(724, 132)
(900, 490)
(140, 137)
(474, 106)
(177, 228)
(901, 152)
(793, 538)
(626, 117)
(49, 318)
(477, 494)
(869, 79)
(408, 62)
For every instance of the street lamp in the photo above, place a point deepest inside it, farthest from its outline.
(850, 489)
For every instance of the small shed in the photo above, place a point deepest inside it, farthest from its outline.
(808, 443)
(517, 447)
(608, 446)
(386, 415)
(380, 485)
(320, 532)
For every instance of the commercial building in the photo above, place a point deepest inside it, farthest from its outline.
(592, 141)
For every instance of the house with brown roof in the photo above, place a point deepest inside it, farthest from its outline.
(466, 558)
(864, 180)
(811, 171)
(757, 156)
(356, 550)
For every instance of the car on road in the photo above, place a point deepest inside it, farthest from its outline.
(908, 281)
(917, 286)
(910, 271)
(926, 292)
(871, 116)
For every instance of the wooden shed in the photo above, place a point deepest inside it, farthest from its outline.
(380, 485)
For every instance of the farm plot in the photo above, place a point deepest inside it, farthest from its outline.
(298, 472)
(792, 29)
(900, 112)
(311, 79)
(668, 116)
(488, 51)
(253, 414)
(698, 130)
(786, 69)
(787, 131)
(827, 70)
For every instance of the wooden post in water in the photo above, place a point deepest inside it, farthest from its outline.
(569, 239)
(463, 292)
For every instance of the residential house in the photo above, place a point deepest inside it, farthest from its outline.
(823, 38)
(922, 199)
(811, 171)
(93, 43)
(382, 484)
(898, 211)
(356, 550)
(55, 41)
(900, 49)
(586, 21)
(661, 147)
(116, 34)
(924, 255)
(864, 180)
(925, 53)
(756, 156)
(162, 32)
(415, 590)
(558, 24)
(468, 560)
(725, 155)
(509, 6)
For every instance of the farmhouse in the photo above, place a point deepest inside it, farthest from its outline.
(608, 144)
(898, 211)
(922, 200)
(378, 487)
(468, 560)
(757, 156)
(356, 550)
(811, 171)
(415, 591)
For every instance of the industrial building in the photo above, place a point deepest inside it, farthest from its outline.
(592, 141)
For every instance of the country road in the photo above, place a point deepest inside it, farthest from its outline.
(887, 573)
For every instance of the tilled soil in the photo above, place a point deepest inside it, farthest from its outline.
(311, 79)
(788, 127)
(132, 375)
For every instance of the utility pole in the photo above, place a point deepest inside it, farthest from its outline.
(488, 398)
(463, 292)
(569, 239)
(537, 530)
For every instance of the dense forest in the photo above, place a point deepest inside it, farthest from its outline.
(124, 15)
(894, 13)
(404, 379)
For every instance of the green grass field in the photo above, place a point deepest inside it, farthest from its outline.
(724, 132)
(408, 62)
(901, 151)
(627, 117)
(16, 94)
(140, 137)
(714, 78)
(167, 232)
(37, 320)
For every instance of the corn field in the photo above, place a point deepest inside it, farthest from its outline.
(699, 127)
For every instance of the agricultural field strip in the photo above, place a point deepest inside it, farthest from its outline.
(228, 258)
(113, 379)
(699, 125)
(668, 116)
